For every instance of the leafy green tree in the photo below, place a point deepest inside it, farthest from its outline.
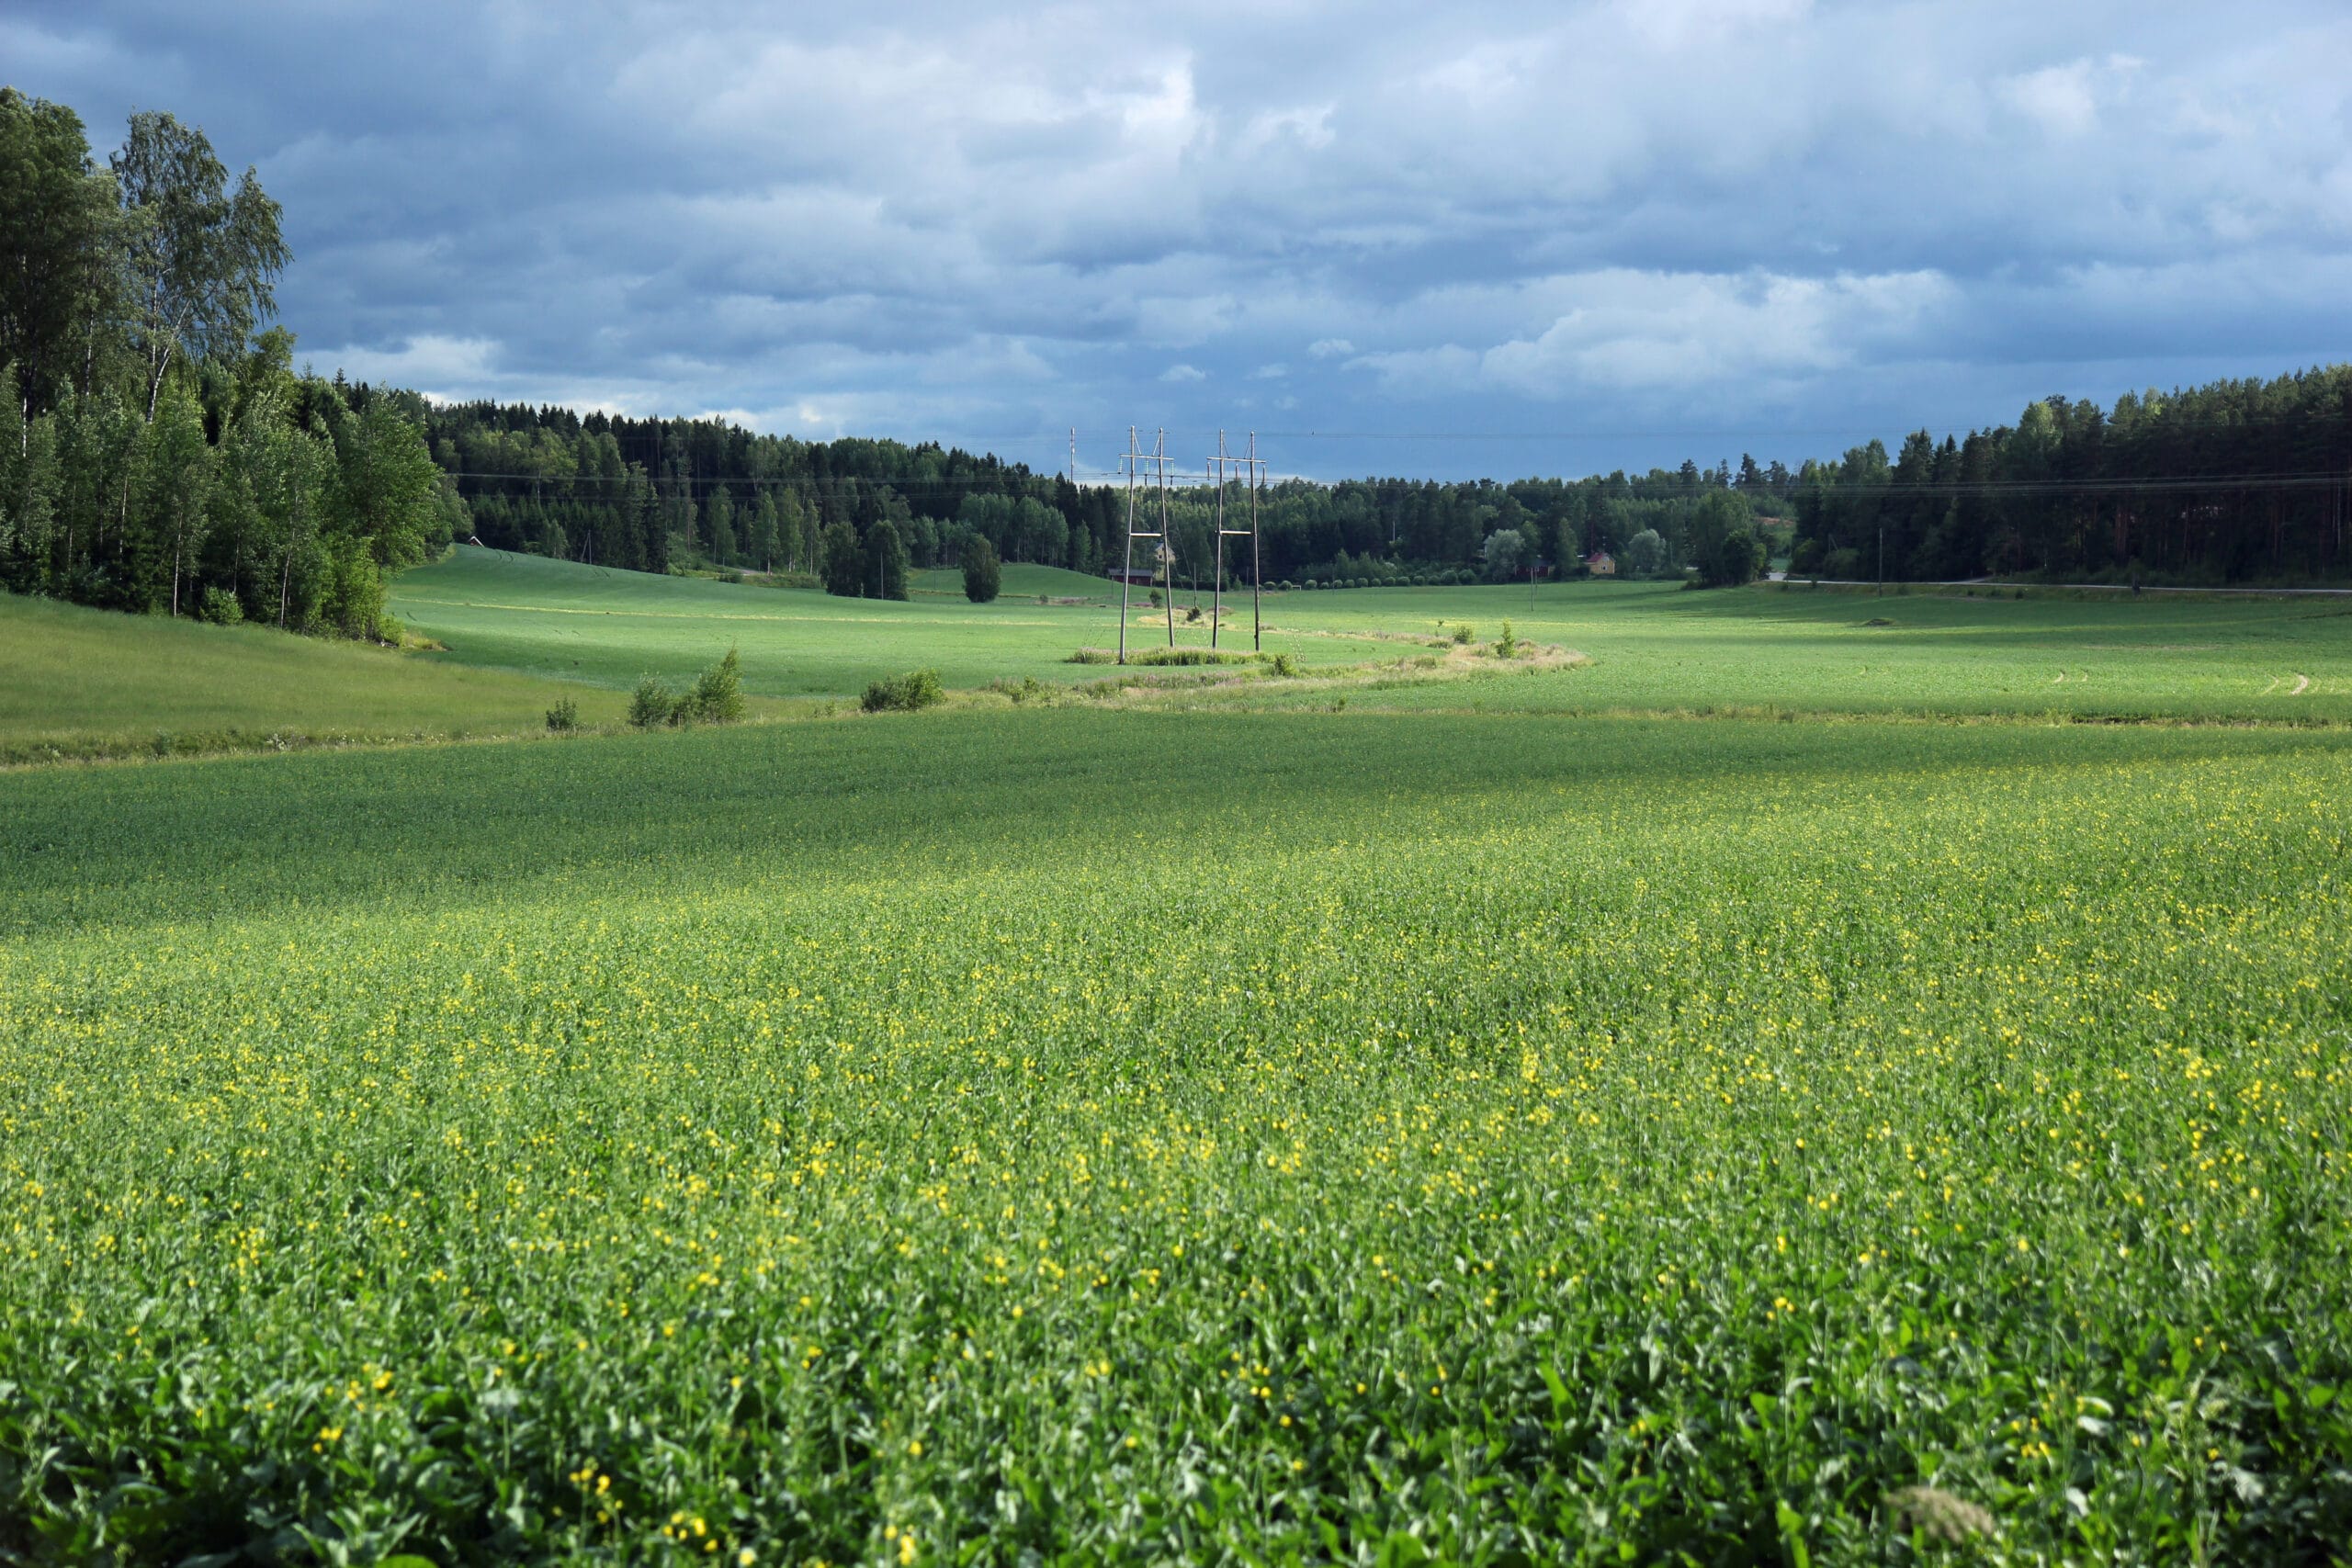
(59, 235)
(886, 562)
(1738, 557)
(844, 562)
(1504, 552)
(718, 696)
(1715, 513)
(391, 490)
(201, 259)
(99, 443)
(983, 575)
(177, 480)
(1645, 553)
(293, 480)
(766, 529)
(28, 500)
(719, 516)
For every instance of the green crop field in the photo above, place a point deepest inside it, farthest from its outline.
(939, 1138)
(80, 682)
(1691, 1110)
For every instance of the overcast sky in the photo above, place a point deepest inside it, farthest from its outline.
(1462, 239)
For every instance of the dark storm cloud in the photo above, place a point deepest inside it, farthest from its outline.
(1675, 226)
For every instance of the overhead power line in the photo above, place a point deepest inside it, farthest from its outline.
(2310, 479)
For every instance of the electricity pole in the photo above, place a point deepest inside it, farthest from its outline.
(1219, 468)
(1135, 461)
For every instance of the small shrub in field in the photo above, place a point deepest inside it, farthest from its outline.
(1092, 656)
(1507, 646)
(1028, 689)
(564, 716)
(1187, 656)
(904, 694)
(1155, 598)
(1465, 634)
(718, 696)
(730, 575)
(1193, 615)
(220, 607)
(652, 703)
(1284, 667)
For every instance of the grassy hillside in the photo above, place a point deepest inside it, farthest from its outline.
(526, 613)
(80, 682)
(1534, 1139)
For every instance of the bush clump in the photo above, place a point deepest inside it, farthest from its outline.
(651, 703)
(718, 696)
(564, 716)
(904, 694)
(1188, 656)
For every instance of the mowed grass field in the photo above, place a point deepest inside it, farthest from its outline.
(1078, 1135)
(1799, 650)
(78, 682)
(527, 615)
(1654, 648)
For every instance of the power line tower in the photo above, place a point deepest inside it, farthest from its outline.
(1135, 461)
(1252, 468)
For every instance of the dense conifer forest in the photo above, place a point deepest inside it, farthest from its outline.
(2234, 481)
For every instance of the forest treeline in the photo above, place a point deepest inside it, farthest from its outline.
(158, 452)
(650, 494)
(2236, 481)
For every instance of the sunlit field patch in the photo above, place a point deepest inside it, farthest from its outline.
(1121, 1135)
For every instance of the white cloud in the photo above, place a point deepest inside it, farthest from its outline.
(1330, 349)
(1656, 331)
(2065, 100)
(1675, 24)
(1177, 375)
(428, 363)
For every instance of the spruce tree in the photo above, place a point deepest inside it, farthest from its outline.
(983, 575)
(844, 562)
(886, 562)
